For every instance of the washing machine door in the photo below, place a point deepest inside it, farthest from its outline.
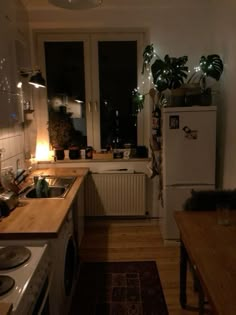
(70, 266)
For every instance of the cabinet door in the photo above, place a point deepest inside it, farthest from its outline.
(79, 215)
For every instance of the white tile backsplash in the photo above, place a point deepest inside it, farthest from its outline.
(12, 141)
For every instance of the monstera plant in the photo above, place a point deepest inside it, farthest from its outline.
(167, 73)
(210, 66)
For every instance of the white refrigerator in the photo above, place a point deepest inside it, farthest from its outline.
(188, 159)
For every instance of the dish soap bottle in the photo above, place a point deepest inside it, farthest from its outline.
(41, 188)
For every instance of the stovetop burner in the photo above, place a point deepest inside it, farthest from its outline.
(13, 256)
(6, 284)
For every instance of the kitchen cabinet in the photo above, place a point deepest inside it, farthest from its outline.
(78, 214)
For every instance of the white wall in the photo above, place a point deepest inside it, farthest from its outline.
(225, 27)
(176, 27)
(13, 25)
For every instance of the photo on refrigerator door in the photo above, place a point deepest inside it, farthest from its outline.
(174, 122)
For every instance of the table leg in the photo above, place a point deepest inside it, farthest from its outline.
(183, 275)
(201, 297)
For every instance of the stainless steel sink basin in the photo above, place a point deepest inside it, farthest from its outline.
(59, 187)
(53, 192)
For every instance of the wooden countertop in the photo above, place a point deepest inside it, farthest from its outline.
(41, 218)
(5, 308)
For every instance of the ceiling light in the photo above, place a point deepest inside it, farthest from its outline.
(76, 4)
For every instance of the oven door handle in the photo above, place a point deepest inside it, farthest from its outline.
(46, 293)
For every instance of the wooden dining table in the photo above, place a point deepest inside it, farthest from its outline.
(211, 248)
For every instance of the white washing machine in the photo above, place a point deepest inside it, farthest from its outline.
(65, 266)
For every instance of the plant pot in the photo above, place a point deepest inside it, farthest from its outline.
(89, 153)
(193, 95)
(177, 97)
(59, 153)
(74, 153)
(206, 97)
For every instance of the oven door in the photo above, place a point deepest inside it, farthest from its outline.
(70, 266)
(41, 305)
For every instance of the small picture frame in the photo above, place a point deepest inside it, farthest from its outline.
(174, 122)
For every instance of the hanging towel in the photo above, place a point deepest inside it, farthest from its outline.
(153, 165)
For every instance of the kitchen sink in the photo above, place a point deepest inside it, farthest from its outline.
(58, 187)
(53, 192)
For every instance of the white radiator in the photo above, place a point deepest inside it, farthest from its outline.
(115, 194)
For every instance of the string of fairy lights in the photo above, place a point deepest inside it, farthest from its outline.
(208, 66)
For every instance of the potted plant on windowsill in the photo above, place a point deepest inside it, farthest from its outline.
(60, 130)
(210, 67)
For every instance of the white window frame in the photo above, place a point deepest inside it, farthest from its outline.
(90, 39)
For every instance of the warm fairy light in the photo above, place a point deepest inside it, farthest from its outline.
(19, 85)
(42, 152)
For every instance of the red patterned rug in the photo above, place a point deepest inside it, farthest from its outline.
(119, 288)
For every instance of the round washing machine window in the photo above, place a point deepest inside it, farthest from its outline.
(70, 266)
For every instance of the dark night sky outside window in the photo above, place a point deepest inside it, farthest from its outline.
(65, 68)
(66, 76)
(117, 79)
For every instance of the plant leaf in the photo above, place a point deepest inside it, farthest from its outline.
(212, 66)
(148, 54)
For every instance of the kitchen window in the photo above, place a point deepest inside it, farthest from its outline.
(100, 69)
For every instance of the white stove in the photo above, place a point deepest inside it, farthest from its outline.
(31, 281)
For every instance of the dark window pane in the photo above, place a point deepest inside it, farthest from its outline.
(117, 79)
(66, 83)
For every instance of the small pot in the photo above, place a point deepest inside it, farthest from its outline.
(59, 153)
(74, 153)
(89, 153)
(177, 97)
(193, 95)
(206, 97)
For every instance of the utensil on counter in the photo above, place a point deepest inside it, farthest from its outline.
(8, 201)
(18, 177)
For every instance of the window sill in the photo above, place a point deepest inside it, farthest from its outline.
(97, 160)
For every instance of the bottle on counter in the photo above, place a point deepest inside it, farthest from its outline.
(89, 153)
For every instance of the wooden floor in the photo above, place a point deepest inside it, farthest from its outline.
(133, 240)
